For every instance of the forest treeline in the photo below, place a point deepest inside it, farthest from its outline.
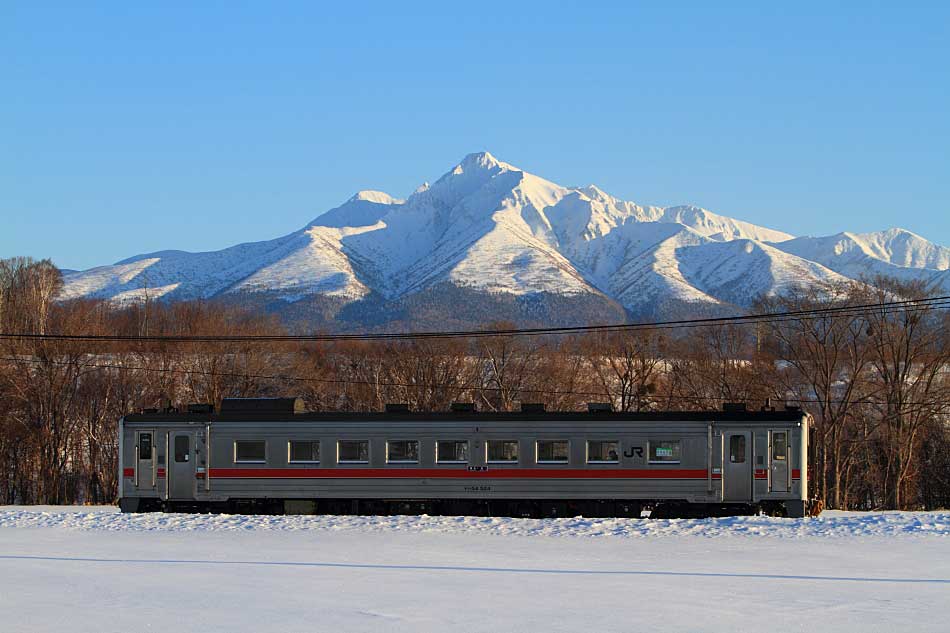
(876, 380)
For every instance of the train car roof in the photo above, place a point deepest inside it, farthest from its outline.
(789, 415)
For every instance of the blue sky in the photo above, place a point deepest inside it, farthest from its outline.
(130, 127)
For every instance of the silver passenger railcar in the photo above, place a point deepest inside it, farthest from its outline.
(268, 455)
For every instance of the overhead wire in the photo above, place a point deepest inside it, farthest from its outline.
(460, 388)
(906, 306)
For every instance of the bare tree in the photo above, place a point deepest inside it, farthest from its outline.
(506, 369)
(629, 367)
(722, 363)
(826, 361)
(910, 358)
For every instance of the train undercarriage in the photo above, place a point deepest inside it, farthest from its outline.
(519, 508)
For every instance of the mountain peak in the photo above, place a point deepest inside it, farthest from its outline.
(364, 208)
(471, 174)
(481, 161)
(896, 231)
(371, 195)
(885, 234)
(594, 192)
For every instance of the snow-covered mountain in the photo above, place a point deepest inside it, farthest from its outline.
(489, 227)
(894, 253)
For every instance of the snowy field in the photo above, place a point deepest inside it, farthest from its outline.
(92, 569)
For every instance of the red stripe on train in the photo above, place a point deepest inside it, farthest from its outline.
(130, 472)
(438, 473)
(429, 473)
(763, 474)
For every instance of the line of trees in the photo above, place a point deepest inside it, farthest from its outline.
(876, 380)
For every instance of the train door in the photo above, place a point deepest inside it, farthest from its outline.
(181, 467)
(146, 464)
(737, 466)
(778, 461)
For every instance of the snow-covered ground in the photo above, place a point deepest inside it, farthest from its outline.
(91, 569)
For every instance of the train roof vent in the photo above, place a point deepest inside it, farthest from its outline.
(599, 407)
(792, 407)
(286, 406)
(733, 407)
(397, 407)
(463, 407)
(206, 409)
(532, 407)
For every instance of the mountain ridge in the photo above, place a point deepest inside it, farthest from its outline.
(490, 227)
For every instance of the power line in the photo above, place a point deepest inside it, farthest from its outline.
(278, 377)
(421, 385)
(906, 306)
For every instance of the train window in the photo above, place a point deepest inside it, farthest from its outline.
(145, 446)
(779, 446)
(303, 452)
(501, 451)
(250, 451)
(352, 451)
(402, 451)
(665, 452)
(603, 452)
(552, 451)
(737, 449)
(451, 451)
(181, 448)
